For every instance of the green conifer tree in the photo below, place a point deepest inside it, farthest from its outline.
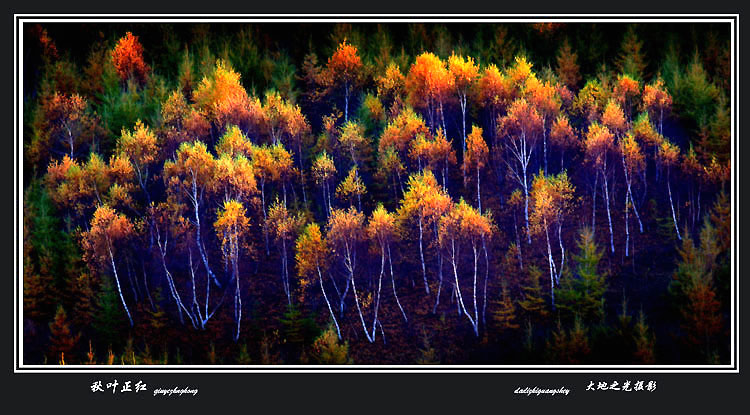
(109, 318)
(644, 341)
(243, 357)
(583, 292)
(632, 59)
(569, 346)
(327, 350)
(505, 314)
(62, 341)
(533, 303)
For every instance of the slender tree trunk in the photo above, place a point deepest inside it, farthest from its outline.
(328, 303)
(198, 238)
(463, 122)
(445, 173)
(421, 257)
(460, 302)
(479, 196)
(117, 280)
(263, 208)
(593, 210)
(486, 277)
(356, 301)
(377, 298)
(285, 271)
(133, 286)
(562, 250)
(474, 291)
(196, 307)
(235, 271)
(393, 284)
(627, 228)
(442, 119)
(544, 144)
(552, 271)
(609, 216)
(635, 210)
(170, 280)
(671, 205)
(301, 169)
(526, 207)
(518, 239)
(440, 283)
(145, 284)
(346, 103)
(328, 192)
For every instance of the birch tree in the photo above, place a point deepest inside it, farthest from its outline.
(344, 70)
(552, 198)
(476, 158)
(190, 176)
(346, 231)
(323, 172)
(415, 206)
(109, 231)
(232, 226)
(284, 226)
(599, 146)
(669, 154)
(465, 74)
(464, 224)
(311, 254)
(381, 229)
(429, 84)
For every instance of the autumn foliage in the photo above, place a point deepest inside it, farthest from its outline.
(377, 194)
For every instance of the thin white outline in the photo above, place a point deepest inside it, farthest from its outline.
(733, 367)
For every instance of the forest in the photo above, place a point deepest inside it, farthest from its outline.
(372, 193)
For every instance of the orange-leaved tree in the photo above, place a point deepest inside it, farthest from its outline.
(223, 99)
(495, 93)
(189, 176)
(311, 253)
(232, 226)
(520, 129)
(476, 158)
(633, 163)
(344, 71)
(567, 65)
(284, 227)
(346, 231)
(400, 132)
(463, 223)
(465, 74)
(544, 97)
(669, 155)
(626, 91)
(352, 140)
(563, 137)
(65, 121)
(657, 101)
(383, 228)
(416, 205)
(141, 148)
(324, 171)
(552, 197)
(429, 84)
(352, 188)
(127, 57)
(107, 236)
(599, 147)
